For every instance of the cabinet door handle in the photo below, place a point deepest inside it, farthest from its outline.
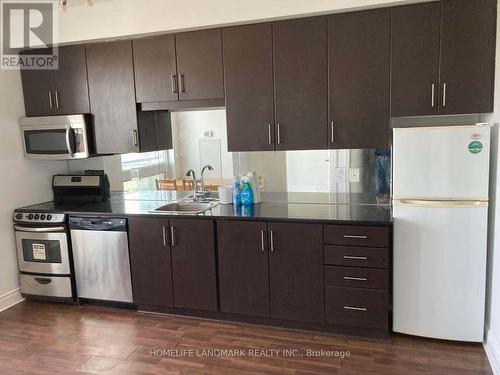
(50, 100)
(164, 237)
(444, 94)
(355, 308)
(355, 257)
(355, 236)
(262, 245)
(433, 92)
(272, 240)
(332, 131)
(135, 137)
(56, 95)
(279, 134)
(182, 84)
(173, 83)
(172, 235)
(269, 135)
(355, 278)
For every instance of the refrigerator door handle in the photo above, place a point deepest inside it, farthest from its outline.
(441, 203)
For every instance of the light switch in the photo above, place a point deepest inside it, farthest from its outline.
(353, 174)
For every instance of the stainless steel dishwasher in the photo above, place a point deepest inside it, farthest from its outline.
(101, 257)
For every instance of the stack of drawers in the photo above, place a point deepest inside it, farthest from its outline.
(356, 262)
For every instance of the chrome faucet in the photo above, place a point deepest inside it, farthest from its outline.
(210, 168)
(190, 173)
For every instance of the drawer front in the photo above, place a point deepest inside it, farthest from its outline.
(355, 256)
(353, 235)
(357, 307)
(49, 286)
(357, 277)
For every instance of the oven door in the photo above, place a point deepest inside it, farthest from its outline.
(55, 137)
(42, 250)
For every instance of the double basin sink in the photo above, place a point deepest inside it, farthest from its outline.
(189, 206)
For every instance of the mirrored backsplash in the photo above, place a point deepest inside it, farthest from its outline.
(199, 138)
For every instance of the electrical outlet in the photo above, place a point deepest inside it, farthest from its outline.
(353, 174)
(341, 175)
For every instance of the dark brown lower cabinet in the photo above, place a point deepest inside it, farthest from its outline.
(150, 261)
(296, 272)
(193, 263)
(243, 267)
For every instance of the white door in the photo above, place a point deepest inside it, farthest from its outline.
(441, 162)
(440, 269)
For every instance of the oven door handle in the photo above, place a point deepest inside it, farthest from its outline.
(39, 230)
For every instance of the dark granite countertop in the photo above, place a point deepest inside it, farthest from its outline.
(277, 206)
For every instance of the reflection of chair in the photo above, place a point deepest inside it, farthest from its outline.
(188, 184)
(166, 184)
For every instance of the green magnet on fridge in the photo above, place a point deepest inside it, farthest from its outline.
(475, 147)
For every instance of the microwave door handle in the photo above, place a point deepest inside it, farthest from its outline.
(70, 141)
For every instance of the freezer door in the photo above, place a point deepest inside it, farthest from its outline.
(440, 269)
(441, 162)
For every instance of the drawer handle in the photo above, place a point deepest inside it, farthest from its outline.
(355, 308)
(43, 280)
(355, 257)
(355, 278)
(355, 236)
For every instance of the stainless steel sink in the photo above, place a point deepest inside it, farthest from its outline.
(186, 208)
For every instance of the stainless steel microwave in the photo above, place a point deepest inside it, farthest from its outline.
(56, 137)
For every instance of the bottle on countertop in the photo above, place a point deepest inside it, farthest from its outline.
(246, 194)
(254, 183)
(236, 191)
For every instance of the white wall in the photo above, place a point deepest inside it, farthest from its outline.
(117, 18)
(24, 182)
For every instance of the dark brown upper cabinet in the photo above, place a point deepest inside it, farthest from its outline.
(63, 91)
(150, 261)
(155, 130)
(155, 68)
(185, 66)
(467, 56)
(359, 88)
(300, 83)
(415, 59)
(243, 249)
(112, 97)
(443, 58)
(248, 75)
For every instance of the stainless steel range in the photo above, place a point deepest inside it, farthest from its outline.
(44, 257)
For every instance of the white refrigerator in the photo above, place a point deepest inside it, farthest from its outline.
(440, 209)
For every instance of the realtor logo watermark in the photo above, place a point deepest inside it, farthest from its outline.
(30, 27)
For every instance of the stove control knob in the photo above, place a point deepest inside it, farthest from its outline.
(37, 216)
(42, 217)
(30, 217)
(19, 216)
(49, 217)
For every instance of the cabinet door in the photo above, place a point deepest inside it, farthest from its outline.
(415, 59)
(38, 86)
(300, 81)
(155, 68)
(467, 56)
(248, 74)
(150, 261)
(193, 264)
(359, 79)
(155, 130)
(199, 64)
(112, 97)
(296, 272)
(70, 81)
(243, 267)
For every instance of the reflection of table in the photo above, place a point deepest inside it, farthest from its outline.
(210, 183)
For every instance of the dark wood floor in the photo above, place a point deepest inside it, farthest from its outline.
(39, 338)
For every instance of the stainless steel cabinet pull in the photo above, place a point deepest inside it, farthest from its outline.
(56, 95)
(433, 89)
(355, 278)
(182, 84)
(43, 280)
(172, 235)
(262, 245)
(173, 83)
(355, 257)
(355, 236)
(272, 240)
(164, 237)
(50, 100)
(444, 94)
(355, 308)
(279, 134)
(269, 135)
(135, 137)
(332, 131)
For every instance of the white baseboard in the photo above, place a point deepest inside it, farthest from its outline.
(492, 348)
(10, 299)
